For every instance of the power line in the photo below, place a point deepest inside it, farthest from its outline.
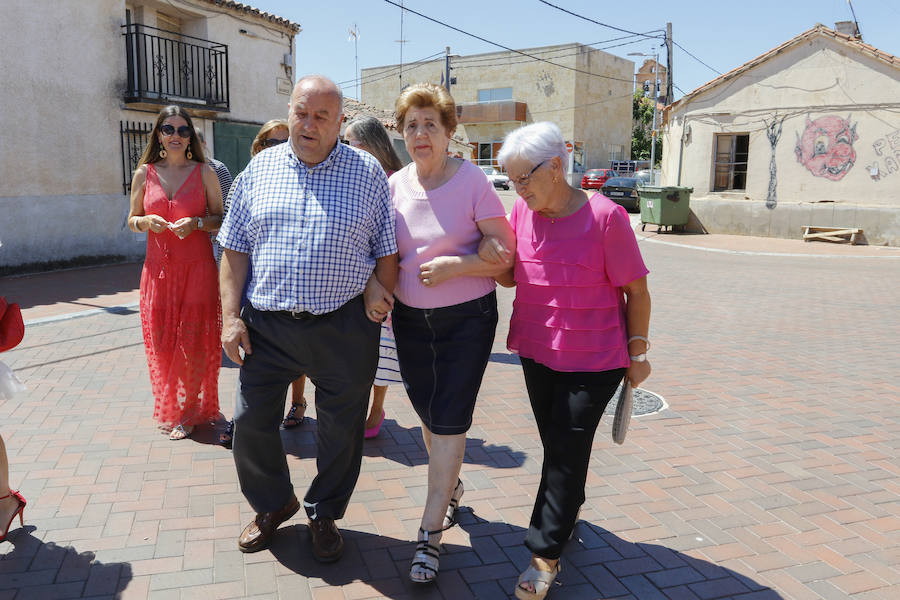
(388, 72)
(599, 23)
(487, 41)
(717, 72)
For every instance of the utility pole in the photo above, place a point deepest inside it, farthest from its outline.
(669, 80)
(447, 69)
(653, 129)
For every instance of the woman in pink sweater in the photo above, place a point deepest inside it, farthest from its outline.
(445, 314)
(580, 322)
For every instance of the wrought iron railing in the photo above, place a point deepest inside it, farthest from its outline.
(167, 67)
(134, 139)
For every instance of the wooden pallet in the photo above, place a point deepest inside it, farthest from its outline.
(831, 234)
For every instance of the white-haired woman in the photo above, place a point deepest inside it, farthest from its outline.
(579, 324)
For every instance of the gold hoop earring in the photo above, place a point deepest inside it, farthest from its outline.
(163, 153)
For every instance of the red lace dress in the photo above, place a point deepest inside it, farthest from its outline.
(181, 313)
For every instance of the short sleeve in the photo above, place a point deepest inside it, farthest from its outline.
(233, 232)
(385, 239)
(624, 263)
(487, 203)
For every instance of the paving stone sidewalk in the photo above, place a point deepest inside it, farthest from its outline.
(773, 473)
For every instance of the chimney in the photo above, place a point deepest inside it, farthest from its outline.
(848, 28)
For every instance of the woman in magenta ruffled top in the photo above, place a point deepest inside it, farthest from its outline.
(579, 325)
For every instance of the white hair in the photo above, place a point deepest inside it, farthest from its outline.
(534, 143)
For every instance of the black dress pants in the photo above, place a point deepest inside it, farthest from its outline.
(567, 408)
(338, 352)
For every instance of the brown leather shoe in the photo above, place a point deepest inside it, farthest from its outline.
(257, 535)
(327, 543)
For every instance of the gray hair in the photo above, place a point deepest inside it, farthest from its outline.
(534, 143)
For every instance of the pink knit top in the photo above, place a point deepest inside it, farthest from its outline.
(441, 222)
(569, 311)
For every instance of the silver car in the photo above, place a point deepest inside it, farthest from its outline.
(500, 180)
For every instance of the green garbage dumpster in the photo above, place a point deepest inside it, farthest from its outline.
(666, 206)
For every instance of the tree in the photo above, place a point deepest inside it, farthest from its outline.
(642, 122)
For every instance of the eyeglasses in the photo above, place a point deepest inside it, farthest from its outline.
(272, 142)
(524, 179)
(183, 131)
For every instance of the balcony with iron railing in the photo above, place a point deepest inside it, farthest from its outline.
(170, 68)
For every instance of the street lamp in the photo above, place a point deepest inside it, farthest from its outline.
(655, 56)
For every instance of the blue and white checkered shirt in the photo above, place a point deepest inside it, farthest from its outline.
(312, 233)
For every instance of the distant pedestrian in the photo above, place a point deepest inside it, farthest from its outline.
(580, 323)
(313, 217)
(176, 198)
(445, 315)
(271, 134)
(367, 133)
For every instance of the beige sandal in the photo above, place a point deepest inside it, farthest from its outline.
(541, 580)
(181, 432)
(426, 559)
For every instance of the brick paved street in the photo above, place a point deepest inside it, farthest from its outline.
(773, 473)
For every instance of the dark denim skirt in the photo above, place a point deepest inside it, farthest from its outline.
(443, 353)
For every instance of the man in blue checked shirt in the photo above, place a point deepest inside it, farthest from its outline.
(314, 219)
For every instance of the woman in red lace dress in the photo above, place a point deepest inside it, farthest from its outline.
(175, 197)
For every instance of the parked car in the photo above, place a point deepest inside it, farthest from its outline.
(500, 180)
(594, 179)
(623, 191)
(643, 176)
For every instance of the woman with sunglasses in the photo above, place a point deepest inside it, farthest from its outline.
(271, 134)
(176, 200)
(579, 325)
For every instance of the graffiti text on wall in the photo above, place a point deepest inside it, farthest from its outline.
(887, 149)
(826, 147)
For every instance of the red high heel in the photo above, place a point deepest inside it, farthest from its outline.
(20, 512)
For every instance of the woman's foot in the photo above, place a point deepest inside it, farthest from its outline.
(11, 505)
(425, 564)
(535, 581)
(373, 425)
(295, 416)
(227, 436)
(180, 432)
(453, 507)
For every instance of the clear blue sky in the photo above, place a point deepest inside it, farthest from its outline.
(721, 34)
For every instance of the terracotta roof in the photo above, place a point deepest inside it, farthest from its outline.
(354, 108)
(818, 30)
(249, 10)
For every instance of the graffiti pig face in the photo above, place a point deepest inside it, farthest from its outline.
(826, 147)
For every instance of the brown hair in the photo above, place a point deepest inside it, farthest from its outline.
(372, 134)
(424, 95)
(264, 132)
(151, 152)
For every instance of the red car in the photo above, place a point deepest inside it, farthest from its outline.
(595, 178)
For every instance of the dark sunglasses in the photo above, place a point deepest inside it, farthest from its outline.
(271, 142)
(183, 131)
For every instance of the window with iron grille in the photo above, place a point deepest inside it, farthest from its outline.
(732, 151)
(134, 139)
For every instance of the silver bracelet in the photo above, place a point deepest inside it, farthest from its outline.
(643, 339)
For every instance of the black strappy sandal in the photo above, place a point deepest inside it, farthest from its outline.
(453, 507)
(227, 436)
(292, 416)
(426, 558)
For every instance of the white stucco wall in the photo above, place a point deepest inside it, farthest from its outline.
(64, 76)
(819, 78)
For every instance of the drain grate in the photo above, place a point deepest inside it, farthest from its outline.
(644, 403)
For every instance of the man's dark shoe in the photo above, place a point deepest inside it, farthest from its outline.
(327, 543)
(257, 535)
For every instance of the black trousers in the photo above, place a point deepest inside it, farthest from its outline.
(567, 408)
(338, 352)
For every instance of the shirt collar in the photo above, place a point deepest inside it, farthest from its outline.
(329, 160)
